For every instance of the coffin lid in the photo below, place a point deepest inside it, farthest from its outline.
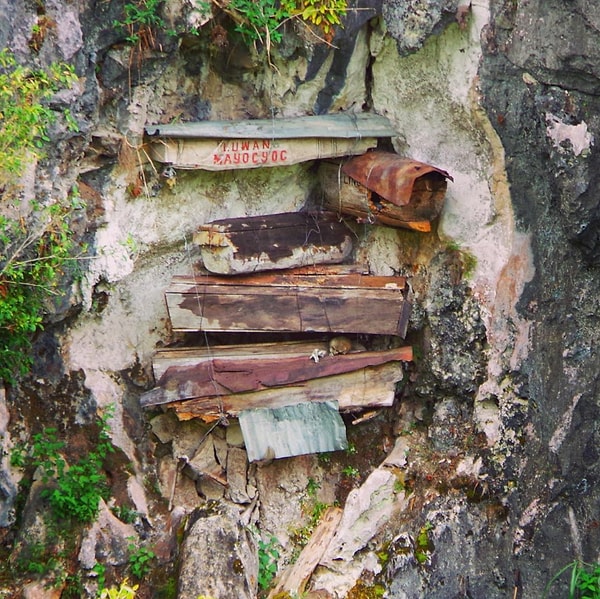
(340, 125)
(389, 175)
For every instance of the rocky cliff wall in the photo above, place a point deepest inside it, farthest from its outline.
(495, 489)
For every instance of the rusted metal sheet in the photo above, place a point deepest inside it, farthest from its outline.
(284, 301)
(382, 187)
(293, 430)
(204, 372)
(276, 241)
(225, 145)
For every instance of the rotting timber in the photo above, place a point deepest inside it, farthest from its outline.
(209, 382)
(385, 188)
(273, 242)
(193, 373)
(321, 301)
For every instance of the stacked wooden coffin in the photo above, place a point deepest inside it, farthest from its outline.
(287, 275)
(297, 382)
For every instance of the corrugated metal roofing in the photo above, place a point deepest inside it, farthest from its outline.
(311, 427)
(341, 125)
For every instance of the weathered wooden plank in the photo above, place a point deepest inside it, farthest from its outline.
(231, 154)
(192, 356)
(380, 187)
(208, 374)
(319, 277)
(361, 389)
(293, 579)
(339, 125)
(276, 241)
(270, 302)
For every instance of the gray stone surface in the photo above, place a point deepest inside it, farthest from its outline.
(218, 556)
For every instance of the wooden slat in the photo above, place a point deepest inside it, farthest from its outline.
(293, 580)
(345, 126)
(192, 356)
(213, 375)
(366, 388)
(328, 277)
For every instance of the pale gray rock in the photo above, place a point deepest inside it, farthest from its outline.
(218, 556)
(411, 22)
(237, 479)
(107, 540)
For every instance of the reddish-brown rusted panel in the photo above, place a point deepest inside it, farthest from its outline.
(395, 178)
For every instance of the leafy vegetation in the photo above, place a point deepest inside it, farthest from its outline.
(584, 581)
(141, 19)
(24, 115)
(140, 561)
(350, 472)
(260, 21)
(314, 510)
(268, 554)
(423, 544)
(125, 591)
(76, 490)
(34, 250)
(324, 14)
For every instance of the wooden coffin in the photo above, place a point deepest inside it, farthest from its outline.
(373, 387)
(384, 188)
(189, 373)
(226, 145)
(276, 241)
(292, 302)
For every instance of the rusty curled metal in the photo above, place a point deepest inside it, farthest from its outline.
(393, 177)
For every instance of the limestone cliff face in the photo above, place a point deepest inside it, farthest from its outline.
(496, 422)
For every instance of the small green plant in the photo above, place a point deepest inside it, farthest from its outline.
(100, 571)
(314, 510)
(312, 486)
(125, 591)
(268, 554)
(263, 21)
(399, 485)
(258, 21)
(140, 560)
(125, 513)
(350, 472)
(141, 20)
(324, 458)
(584, 580)
(324, 14)
(24, 115)
(38, 560)
(18, 456)
(77, 489)
(423, 544)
